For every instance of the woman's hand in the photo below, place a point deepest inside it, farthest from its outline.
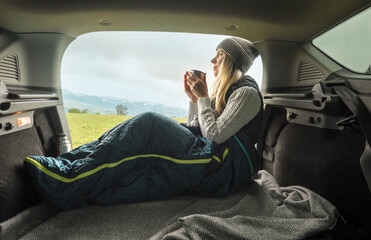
(197, 86)
(187, 89)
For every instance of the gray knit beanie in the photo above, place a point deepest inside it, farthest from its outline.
(240, 50)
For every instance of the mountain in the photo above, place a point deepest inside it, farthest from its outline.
(107, 105)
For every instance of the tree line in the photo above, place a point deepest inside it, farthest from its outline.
(120, 110)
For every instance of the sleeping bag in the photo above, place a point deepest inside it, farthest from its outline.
(148, 157)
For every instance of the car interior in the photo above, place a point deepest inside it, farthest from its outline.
(316, 121)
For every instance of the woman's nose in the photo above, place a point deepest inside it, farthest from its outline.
(213, 60)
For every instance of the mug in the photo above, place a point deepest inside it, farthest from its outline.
(196, 72)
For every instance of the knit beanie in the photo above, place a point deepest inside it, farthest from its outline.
(240, 50)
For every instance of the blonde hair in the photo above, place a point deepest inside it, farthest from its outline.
(228, 75)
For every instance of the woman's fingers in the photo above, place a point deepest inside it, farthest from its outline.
(191, 77)
(203, 77)
(188, 88)
(198, 86)
(194, 86)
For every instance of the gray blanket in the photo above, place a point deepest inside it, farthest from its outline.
(267, 211)
(261, 210)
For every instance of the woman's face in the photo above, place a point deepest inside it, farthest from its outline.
(217, 61)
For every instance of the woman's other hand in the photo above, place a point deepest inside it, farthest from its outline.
(187, 89)
(197, 86)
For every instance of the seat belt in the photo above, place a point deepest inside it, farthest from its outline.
(355, 104)
(264, 130)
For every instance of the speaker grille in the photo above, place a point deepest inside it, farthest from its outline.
(9, 68)
(308, 72)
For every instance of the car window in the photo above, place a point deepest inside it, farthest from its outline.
(349, 43)
(143, 70)
(108, 77)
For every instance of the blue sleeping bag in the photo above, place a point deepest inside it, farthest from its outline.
(148, 157)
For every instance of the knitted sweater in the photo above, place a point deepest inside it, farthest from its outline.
(242, 106)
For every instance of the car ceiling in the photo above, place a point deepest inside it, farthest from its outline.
(287, 20)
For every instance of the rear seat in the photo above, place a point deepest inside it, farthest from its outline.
(325, 161)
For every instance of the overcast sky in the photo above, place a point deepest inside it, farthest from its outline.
(140, 66)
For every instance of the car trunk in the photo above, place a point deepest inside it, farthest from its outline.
(301, 143)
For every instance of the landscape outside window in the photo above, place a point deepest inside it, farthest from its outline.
(108, 77)
(349, 43)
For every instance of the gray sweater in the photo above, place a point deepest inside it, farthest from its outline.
(242, 106)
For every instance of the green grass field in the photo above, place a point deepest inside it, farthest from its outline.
(88, 127)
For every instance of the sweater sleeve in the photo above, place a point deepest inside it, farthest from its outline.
(242, 107)
(192, 117)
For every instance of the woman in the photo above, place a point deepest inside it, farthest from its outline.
(219, 121)
(151, 157)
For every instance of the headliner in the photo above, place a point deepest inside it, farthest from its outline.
(286, 20)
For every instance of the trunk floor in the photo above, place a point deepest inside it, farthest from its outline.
(130, 221)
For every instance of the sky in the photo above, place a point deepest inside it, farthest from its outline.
(140, 66)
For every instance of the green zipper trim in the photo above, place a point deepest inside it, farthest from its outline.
(111, 165)
(226, 151)
(243, 148)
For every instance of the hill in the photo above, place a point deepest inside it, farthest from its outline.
(107, 105)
